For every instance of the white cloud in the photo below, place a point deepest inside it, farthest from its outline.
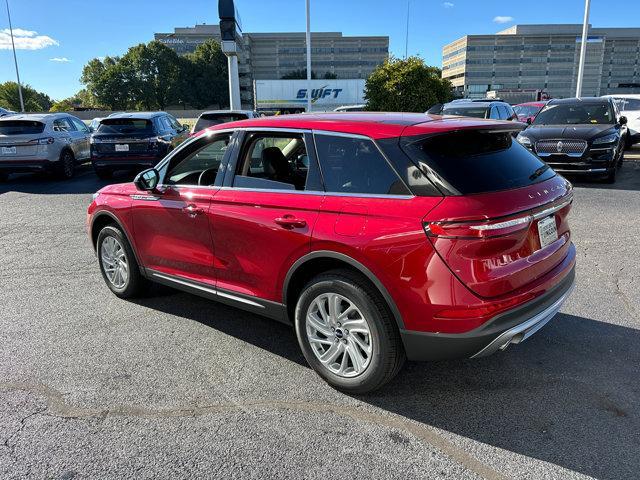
(25, 40)
(448, 5)
(60, 59)
(503, 19)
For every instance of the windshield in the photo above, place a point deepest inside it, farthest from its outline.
(626, 104)
(125, 126)
(209, 120)
(575, 114)
(20, 127)
(526, 110)
(470, 111)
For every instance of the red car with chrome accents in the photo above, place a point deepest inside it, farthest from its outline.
(380, 237)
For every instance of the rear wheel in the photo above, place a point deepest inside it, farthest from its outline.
(346, 332)
(611, 176)
(118, 264)
(66, 166)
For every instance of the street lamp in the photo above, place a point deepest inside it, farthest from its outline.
(15, 59)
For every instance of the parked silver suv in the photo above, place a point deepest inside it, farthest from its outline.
(52, 142)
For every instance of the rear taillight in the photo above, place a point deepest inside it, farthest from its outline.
(482, 229)
(43, 141)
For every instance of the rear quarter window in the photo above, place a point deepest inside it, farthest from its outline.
(477, 161)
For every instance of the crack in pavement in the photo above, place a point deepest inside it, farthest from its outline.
(57, 407)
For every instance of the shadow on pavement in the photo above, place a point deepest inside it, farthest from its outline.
(85, 181)
(569, 396)
(628, 177)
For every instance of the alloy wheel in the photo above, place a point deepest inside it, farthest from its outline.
(339, 335)
(114, 262)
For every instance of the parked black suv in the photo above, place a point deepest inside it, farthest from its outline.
(496, 110)
(579, 136)
(134, 141)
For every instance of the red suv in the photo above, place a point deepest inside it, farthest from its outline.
(380, 237)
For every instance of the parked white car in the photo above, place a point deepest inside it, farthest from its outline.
(51, 142)
(629, 105)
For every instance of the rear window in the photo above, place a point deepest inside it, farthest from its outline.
(206, 121)
(125, 125)
(20, 127)
(478, 161)
(626, 104)
(476, 112)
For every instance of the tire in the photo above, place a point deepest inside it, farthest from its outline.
(611, 176)
(103, 174)
(66, 167)
(621, 159)
(112, 244)
(386, 354)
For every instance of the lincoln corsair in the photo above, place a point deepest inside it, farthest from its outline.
(379, 237)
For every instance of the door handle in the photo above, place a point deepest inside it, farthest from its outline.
(289, 221)
(192, 210)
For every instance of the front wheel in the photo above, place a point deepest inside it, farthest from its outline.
(118, 264)
(346, 332)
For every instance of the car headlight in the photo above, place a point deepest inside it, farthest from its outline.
(606, 139)
(524, 140)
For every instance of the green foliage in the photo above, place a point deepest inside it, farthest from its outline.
(299, 75)
(152, 76)
(34, 101)
(405, 85)
(82, 99)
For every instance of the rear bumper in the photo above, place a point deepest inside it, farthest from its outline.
(513, 326)
(122, 163)
(22, 166)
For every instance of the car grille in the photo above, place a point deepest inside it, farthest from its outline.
(561, 147)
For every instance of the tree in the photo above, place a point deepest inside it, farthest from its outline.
(405, 85)
(204, 77)
(330, 76)
(82, 100)
(107, 81)
(34, 101)
(299, 75)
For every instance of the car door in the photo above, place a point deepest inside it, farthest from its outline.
(263, 217)
(84, 136)
(173, 237)
(65, 127)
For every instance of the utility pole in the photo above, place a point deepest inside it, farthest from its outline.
(406, 38)
(15, 59)
(308, 56)
(583, 48)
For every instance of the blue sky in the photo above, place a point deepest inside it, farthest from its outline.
(58, 38)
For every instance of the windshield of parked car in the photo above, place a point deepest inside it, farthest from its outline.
(20, 127)
(125, 126)
(526, 110)
(626, 104)
(465, 111)
(575, 114)
(209, 120)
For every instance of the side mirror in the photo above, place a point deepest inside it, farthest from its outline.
(528, 120)
(623, 121)
(185, 127)
(147, 180)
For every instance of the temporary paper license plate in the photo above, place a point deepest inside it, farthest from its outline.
(547, 230)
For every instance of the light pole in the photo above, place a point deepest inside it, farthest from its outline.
(15, 59)
(583, 47)
(308, 56)
(406, 38)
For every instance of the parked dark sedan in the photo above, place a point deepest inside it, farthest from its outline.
(579, 136)
(134, 141)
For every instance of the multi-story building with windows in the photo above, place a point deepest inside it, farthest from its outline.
(270, 56)
(544, 57)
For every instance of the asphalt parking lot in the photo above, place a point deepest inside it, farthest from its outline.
(173, 386)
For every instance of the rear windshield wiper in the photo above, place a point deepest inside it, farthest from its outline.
(538, 172)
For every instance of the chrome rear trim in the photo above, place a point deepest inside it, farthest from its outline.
(521, 332)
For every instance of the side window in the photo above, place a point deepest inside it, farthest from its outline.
(493, 113)
(503, 112)
(174, 123)
(355, 165)
(80, 126)
(200, 165)
(63, 125)
(272, 161)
